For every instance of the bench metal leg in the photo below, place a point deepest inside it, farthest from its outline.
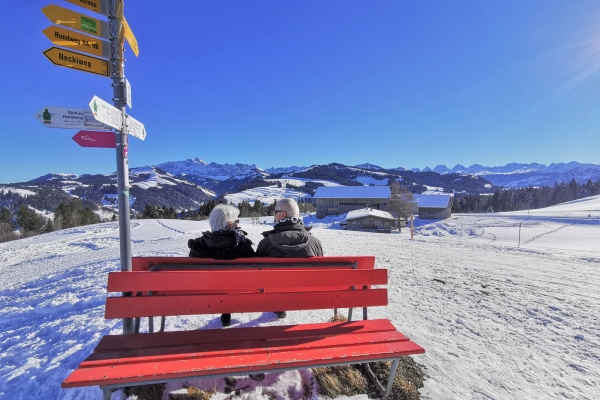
(151, 324)
(365, 313)
(106, 394)
(385, 392)
(334, 312)
(388, 390)
(136, 325)
(162, 324)
(349, 314)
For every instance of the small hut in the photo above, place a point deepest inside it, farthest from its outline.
(368, 219)
(335, 200)
(435, 206)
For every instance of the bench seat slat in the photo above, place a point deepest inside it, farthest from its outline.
(147, 306)
(200, 367)
(242, 280)
(182, 338)
(144, 263)
(241, 347)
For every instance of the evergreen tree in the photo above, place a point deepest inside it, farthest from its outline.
(48, 227)
(5, 216)
(28, 220)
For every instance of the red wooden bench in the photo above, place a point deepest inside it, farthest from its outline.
(188, 286)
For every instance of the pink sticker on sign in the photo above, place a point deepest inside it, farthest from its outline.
(125, 151)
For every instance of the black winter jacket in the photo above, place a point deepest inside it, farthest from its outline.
(222, 245)
(289, 239)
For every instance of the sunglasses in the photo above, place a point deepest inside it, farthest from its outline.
(237, 221)
(278, 211)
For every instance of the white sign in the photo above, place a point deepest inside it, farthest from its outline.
(135, 128)
(69, 118)
(104, 112)
(128, 93)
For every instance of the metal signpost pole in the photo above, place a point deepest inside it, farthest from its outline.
(115, 17)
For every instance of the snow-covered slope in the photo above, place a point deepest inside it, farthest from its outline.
(266, 195)
(497, 321)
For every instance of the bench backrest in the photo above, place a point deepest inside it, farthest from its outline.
(204, 286)
(170, 263)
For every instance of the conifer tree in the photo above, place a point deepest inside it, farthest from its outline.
(5, 216)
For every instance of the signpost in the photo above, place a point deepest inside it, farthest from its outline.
(71, 19)
(69, 59)
(77, 41)
(116, 30)
(106, 113)
(69, 118)
(105, 140)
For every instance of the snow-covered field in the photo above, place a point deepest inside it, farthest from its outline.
(266, 195)
(497, 321)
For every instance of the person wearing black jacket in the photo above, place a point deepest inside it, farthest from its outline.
(289, 237)
(227, 241)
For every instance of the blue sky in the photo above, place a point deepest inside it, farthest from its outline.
(280, 83)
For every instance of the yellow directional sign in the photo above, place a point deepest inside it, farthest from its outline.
(78, 41)
(71, 19)
(69, 59)
(130, 38)
(99, 6)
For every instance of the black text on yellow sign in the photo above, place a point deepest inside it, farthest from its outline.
(78, 41)
(99, 6)
(69, 59)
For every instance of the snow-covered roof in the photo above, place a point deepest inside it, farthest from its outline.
(349, 192)
(368, 212)
(435, 200)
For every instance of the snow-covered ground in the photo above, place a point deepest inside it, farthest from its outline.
(497, 321)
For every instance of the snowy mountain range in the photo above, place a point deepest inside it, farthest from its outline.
(520, 175)
(188, 183)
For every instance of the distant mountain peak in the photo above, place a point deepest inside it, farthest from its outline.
(198, 160)
(54, 176)
(368, 166)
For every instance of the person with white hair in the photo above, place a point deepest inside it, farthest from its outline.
(227, 241)
(289, 237)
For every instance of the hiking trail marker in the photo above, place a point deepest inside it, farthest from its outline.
(128, 34)
(135, 128)
(81, 62)
(105, 140)
(69, 118)
(78, 41)
(71, 19)
(106, 113)
(99, 6)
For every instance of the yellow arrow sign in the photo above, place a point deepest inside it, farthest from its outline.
(78, 41)
(69, 59)
(71, 19)
(99, 6)
(130, 38)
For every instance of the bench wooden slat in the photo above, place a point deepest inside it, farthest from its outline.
(148, 306)
(200, 367)
(183, 338)
(240, 347)
(145, 263)
(242, 280)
